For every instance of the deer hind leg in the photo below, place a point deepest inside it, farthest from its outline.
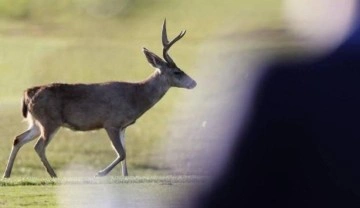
(19, 141)
(116, 143)
(40, 147)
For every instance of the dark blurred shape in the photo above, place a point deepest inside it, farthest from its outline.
(301, 147)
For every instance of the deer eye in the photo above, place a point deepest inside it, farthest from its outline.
(177, 72)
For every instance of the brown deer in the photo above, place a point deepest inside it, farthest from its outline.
(84, 107)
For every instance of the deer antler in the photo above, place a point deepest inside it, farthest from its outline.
(167, 44)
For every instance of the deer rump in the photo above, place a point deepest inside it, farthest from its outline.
(83, 107)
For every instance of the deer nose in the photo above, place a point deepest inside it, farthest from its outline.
(192, 84)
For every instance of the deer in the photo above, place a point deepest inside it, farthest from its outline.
(112, 106)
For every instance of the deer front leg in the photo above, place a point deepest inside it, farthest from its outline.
(19, 141)
(123, 163)
(114, 134)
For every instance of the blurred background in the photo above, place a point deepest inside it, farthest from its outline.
(44, 41)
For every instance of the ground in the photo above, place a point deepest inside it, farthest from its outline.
(101, 192)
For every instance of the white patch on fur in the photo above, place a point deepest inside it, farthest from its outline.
(30, 120)
(34, 132)
(157, 71)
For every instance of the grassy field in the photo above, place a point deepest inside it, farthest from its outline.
(94, 192)
(95, 41)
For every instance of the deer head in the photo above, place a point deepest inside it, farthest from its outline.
(167, 67)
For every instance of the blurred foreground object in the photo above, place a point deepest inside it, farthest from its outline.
(322, 25)
(300, 145)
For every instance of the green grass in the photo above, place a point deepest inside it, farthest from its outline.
(77, 41)
(31, 181)
(95, 192)
(25, 196)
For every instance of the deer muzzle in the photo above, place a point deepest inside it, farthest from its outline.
(192, 84)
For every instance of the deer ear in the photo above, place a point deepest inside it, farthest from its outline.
(153, 59)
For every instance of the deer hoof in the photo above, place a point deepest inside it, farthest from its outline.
(101, 174)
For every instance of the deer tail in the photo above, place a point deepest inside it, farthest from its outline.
(24, 107)
(28, 96)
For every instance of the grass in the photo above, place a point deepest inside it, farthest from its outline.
(95, 41)
(28, 197)
(31, 181)
(109, 192)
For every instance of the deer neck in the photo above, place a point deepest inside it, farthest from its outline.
(154, 88)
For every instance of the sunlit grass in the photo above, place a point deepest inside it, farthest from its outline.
(93, 192)
(32, 181)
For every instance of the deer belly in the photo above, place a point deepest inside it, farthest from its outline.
(84, 126)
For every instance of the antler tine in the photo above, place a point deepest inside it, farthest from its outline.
(167, 44)
(165, 40)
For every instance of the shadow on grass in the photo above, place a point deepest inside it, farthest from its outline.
(151, 167)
